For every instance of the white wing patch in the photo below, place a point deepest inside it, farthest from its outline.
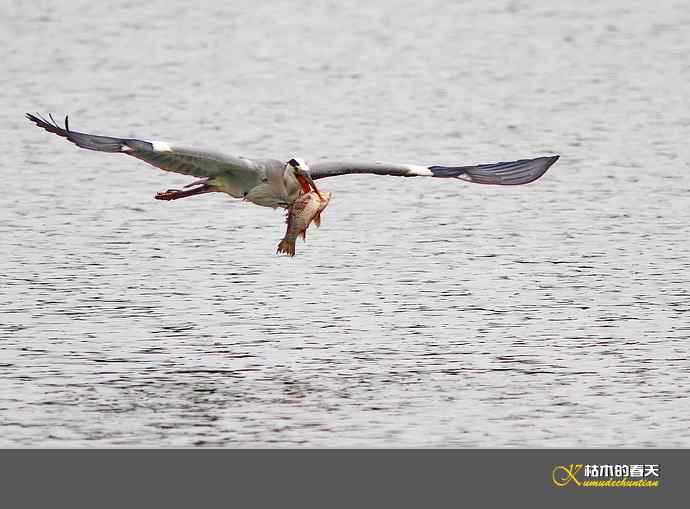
(413, 170)
(419, 170)
(161, 146)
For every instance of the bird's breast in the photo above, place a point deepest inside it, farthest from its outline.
(268, 195)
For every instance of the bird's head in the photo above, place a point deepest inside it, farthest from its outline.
(301, 172)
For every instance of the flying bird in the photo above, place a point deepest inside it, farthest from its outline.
(276, 183)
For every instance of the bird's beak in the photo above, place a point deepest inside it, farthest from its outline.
(307, 183)
(311, 182)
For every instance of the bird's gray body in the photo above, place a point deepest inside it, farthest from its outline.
(265, 182)
(277, 186)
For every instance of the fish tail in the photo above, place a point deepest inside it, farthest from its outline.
(317, 220)
(286, 246)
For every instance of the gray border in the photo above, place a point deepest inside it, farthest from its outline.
(324, 478)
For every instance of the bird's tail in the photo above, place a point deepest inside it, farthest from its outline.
(286, 246)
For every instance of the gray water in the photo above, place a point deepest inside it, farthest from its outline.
(424, 312)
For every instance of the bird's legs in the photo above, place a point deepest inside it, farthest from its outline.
(175, 194)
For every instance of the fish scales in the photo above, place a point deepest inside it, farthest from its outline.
(304, 210)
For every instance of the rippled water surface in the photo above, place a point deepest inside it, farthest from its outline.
(424, 312)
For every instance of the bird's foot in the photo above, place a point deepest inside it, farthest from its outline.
(174, 194)
(170, 194)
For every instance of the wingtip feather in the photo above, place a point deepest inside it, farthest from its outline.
(522, 171)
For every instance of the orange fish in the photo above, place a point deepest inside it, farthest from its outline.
(301, 213)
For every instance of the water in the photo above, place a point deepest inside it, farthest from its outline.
(423, 312)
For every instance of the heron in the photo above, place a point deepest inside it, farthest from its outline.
(274, 182)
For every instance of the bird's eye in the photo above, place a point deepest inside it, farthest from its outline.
(294, 163)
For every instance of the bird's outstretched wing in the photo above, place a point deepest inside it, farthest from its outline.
(188, 161)
(508, 173)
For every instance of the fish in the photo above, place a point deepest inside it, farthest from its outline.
(303, 211)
